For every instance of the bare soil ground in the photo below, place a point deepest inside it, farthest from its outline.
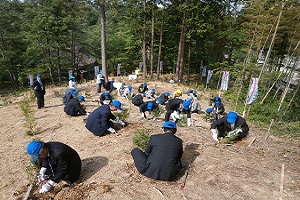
(217, 171)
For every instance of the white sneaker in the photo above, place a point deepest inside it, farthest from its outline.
(189, 123)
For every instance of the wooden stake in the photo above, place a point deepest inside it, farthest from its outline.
(282, 178)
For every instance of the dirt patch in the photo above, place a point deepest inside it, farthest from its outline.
(217, 171)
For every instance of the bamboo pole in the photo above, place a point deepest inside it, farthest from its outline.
(272, 41)
(280, 74)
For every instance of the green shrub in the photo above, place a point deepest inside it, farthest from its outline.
(123, 114)
(30, 120)
(141, 138)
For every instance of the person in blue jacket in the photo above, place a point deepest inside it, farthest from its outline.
(99, 121)
(161, 159)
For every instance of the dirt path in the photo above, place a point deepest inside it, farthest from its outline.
(217, 171)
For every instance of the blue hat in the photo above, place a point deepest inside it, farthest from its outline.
(122, 87)
(33, 149)
(208, 110)
(129, 88)
(81, 98)
(218, 103)
(160, 101)
(38, 76)
(101, 72)
(168, 94)
(112, 81)
(106, 94)
(195, 91)
(117, 104)
(217, 98)
(75, 92)
(153, 90)
(150, 106)
(231, 117)
(186, 104)
(145, 84)
(72, 77)
(169, 125)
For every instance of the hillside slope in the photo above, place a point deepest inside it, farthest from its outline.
(218, 171)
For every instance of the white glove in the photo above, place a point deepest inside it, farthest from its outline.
(121, 122)
(41, 176)
(35, 88)
(111, 130)
(239, 130)
(46, 187)
(87, 113)
(215, 135)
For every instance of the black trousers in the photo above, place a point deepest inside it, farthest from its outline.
(40, 101)
(139, 159)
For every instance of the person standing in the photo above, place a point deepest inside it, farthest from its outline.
(58, 162)
(100, 81)
(161, 159)
(39, 90)
(74, 108)
(72, 83)
(99, 122)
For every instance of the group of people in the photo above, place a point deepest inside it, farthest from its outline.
(161, 159)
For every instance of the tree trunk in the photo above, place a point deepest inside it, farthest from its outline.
(189, 63)
(180, 54)
(59, 68)
(144, 43)
(152, 42)
(159, 49)
(103, 39)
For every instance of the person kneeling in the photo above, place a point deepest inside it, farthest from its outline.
(74, 108)
(58, 162)
(99, 122)
(161, 159)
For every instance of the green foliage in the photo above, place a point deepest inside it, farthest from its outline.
(123, 114)
(156, 112)
(141, 138)
(30, 120)
(182, 122)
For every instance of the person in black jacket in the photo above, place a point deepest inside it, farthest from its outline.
(58, 162)
(74, 108)
(105, 98)
(99, 122)
(147, 106)
(161, 159)
(109, 86)
(163, 98)
(173, 104)
(232, 124)
(69, 94)
(39, 90)
(138, 99)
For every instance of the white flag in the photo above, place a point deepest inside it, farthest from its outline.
(209, 75)
(30, 77)
(253, 91)
(118, 69)
(96, 71)
(204, 71)
(225, 80)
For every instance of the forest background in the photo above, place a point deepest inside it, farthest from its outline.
(247, 38)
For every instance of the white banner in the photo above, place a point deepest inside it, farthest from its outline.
(30, 77)
(253, 91)
(204, 71)
(119, 70)
(209, 75)
(96, 71)
(70, 72)
(161, 65)
(225, 80)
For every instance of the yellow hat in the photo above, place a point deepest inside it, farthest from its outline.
(178, 93)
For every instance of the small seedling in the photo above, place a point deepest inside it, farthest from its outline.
(141, 138)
